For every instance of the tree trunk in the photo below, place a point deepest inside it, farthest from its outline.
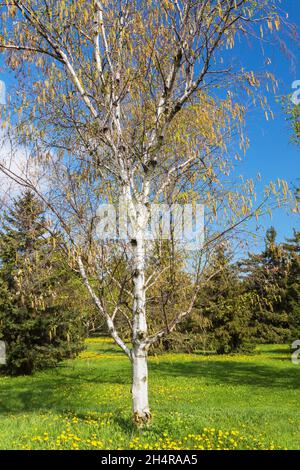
(141, 411)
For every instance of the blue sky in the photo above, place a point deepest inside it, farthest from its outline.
(271, 154)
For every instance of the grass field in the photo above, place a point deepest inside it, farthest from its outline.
(197, 402)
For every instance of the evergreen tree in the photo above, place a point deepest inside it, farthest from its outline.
(38, 328)
(266, 279)
(292, 248)
(223, 302)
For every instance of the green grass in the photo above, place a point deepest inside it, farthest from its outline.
(197, 402)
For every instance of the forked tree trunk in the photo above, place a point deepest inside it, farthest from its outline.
(141, 411)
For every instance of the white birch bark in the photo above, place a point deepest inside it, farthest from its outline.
(141, 410)
(140, 401)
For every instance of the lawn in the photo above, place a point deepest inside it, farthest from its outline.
(198, 402)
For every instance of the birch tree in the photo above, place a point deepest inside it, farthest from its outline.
(138, 100)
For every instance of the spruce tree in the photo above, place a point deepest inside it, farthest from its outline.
(266, 277)
(223, 302)
(292, 248)
(34, 323)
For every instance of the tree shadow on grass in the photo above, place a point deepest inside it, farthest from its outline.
(106, 350)
(283, 353)
(231, 372)
(42, 394)
(59, 389)
(69, 388)
(279, 353)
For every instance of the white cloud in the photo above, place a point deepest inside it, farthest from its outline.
(2, 93)
(17, 165)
